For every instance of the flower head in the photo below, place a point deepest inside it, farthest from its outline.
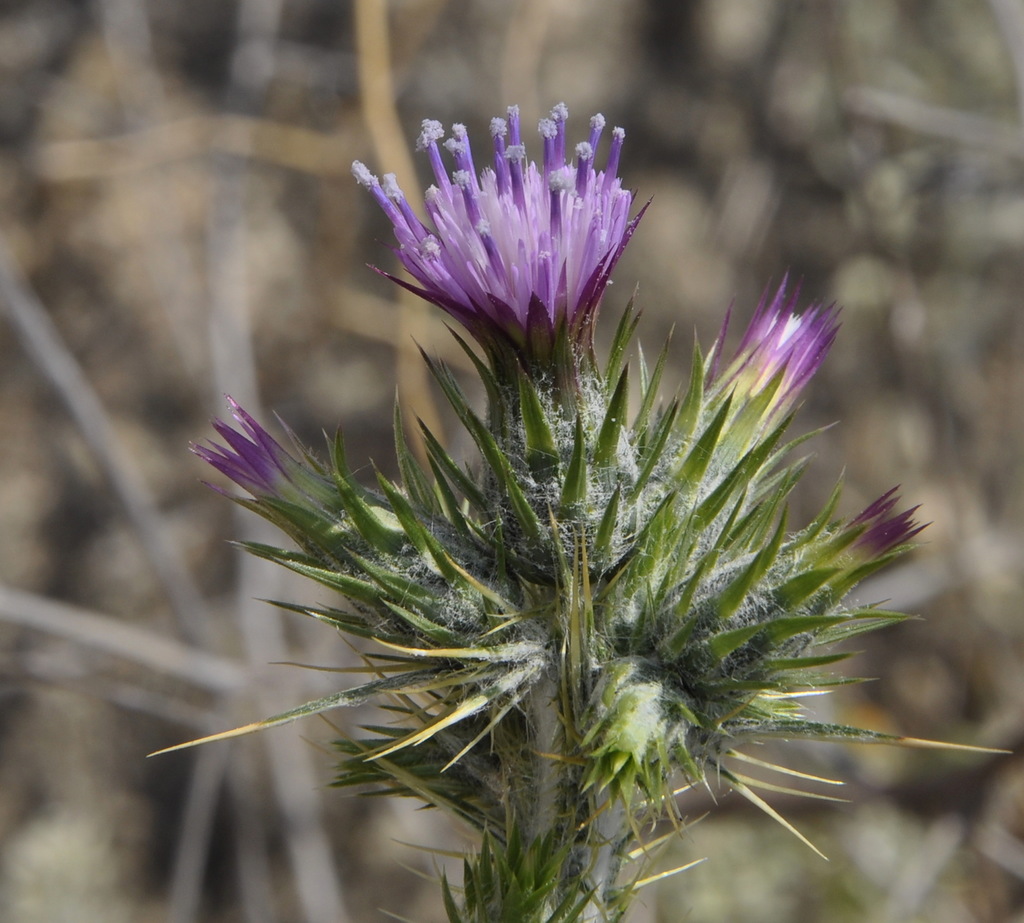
(778, 342)
(519, 251)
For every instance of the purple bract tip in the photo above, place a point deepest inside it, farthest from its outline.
(885, 530)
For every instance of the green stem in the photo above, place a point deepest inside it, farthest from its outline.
(541, 810)
(551, 807)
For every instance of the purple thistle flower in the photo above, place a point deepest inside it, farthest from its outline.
(517, 252)
(255, 461)
(883, 530)
(778, 341)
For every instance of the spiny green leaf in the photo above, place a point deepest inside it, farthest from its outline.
(774, 487)
(447, 499)
(541, 453)
(854, 625)
(574, 485)
(611, 427)
(653, 451)
(793, 444)
(357, 502)
(692, 771)
(737, 480)
(450, 907)
(734, 594)
(476, 428)
(491, 451)
(817, 730)
(486, 374)
(308, 526)
(690, 412)
(693, 540)
(415, 531)
(752, 531)
(796, 590)
(488, 593)
(681, 637)
(342, 471)
(345, 698)
(602, 540)
(414, 478)
(651, 536)
(420, 536)
(803, 663)
(620, 342)
(724, 643)
(732, 485)
(449, 477)
(856, 574)
(649, 388)
(395, 585)
(752, 415)
(699, 455)
(641, 365)
(336, 618)
(351, 587)
(424, 626)
(451, 471)
(411, 777)
(524, 512)
(788, 626)
(823, 518)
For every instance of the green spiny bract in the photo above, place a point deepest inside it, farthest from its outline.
(612, 602)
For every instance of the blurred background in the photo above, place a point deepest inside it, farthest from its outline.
(178, 221)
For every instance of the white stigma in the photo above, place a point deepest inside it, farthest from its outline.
(363, 175)
(431, 132)
(547, 128)
(499, 128)
(560, 112)
(584, 151)
(597, 122)
(390, 186)
(562, 180)
(462, 179)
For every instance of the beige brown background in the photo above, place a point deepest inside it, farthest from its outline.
(178, 221)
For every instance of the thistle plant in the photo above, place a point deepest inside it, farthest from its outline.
(609, 602)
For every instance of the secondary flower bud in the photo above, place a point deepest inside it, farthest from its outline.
(779, 343)
(257, 462)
